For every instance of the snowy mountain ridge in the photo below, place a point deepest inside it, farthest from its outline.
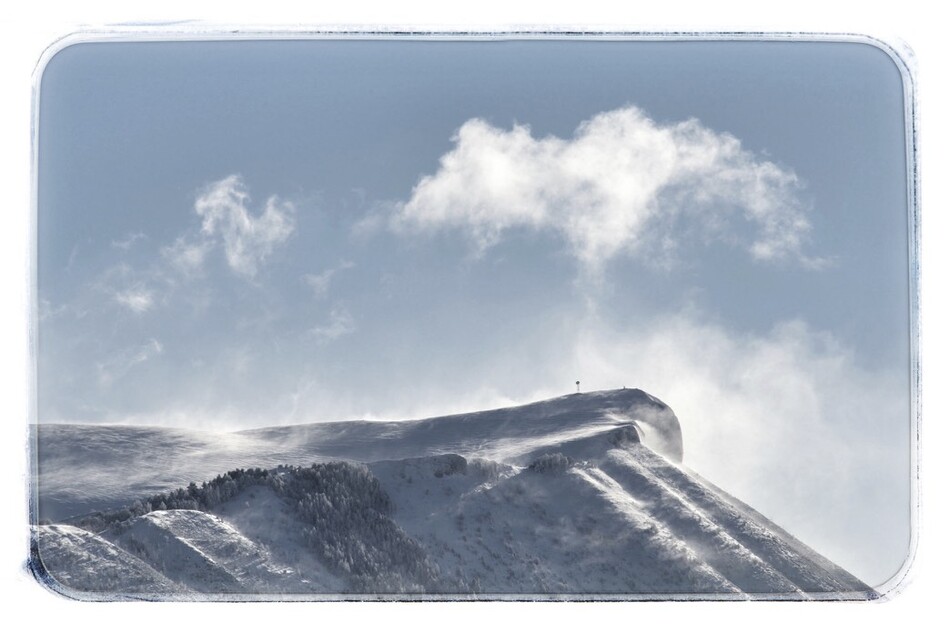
(578, 496)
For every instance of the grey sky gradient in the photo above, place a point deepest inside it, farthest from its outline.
(230, 235)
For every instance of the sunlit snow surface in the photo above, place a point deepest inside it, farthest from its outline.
(477, 508)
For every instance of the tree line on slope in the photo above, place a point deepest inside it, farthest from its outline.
(343, 510)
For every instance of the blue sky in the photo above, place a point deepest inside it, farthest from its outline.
(244, 234)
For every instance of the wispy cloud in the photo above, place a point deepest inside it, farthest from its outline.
(623, 183)
(320, 283)
(122, 361)
(138, 300)
(128, 241)
(187, 254)
(340, 324)
(248, 240)
(47, 311)
(123, 286)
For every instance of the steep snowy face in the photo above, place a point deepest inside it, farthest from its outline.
(656, 424)
(624, 521)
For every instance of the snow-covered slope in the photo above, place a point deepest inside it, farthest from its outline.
(629, 521)
(86, 467)
(554, 531)
(197, 550)
(579, 495)
(84, 563)
(269, 521)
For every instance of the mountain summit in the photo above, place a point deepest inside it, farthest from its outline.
(583, 495)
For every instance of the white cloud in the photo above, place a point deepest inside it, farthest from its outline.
(120, 363)
(48, 312)
(138, 300)
(248, 240)
(623, 183)
(340, 324)
(187, 254)
(128, 241)
(320, 283)
(131, 289)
